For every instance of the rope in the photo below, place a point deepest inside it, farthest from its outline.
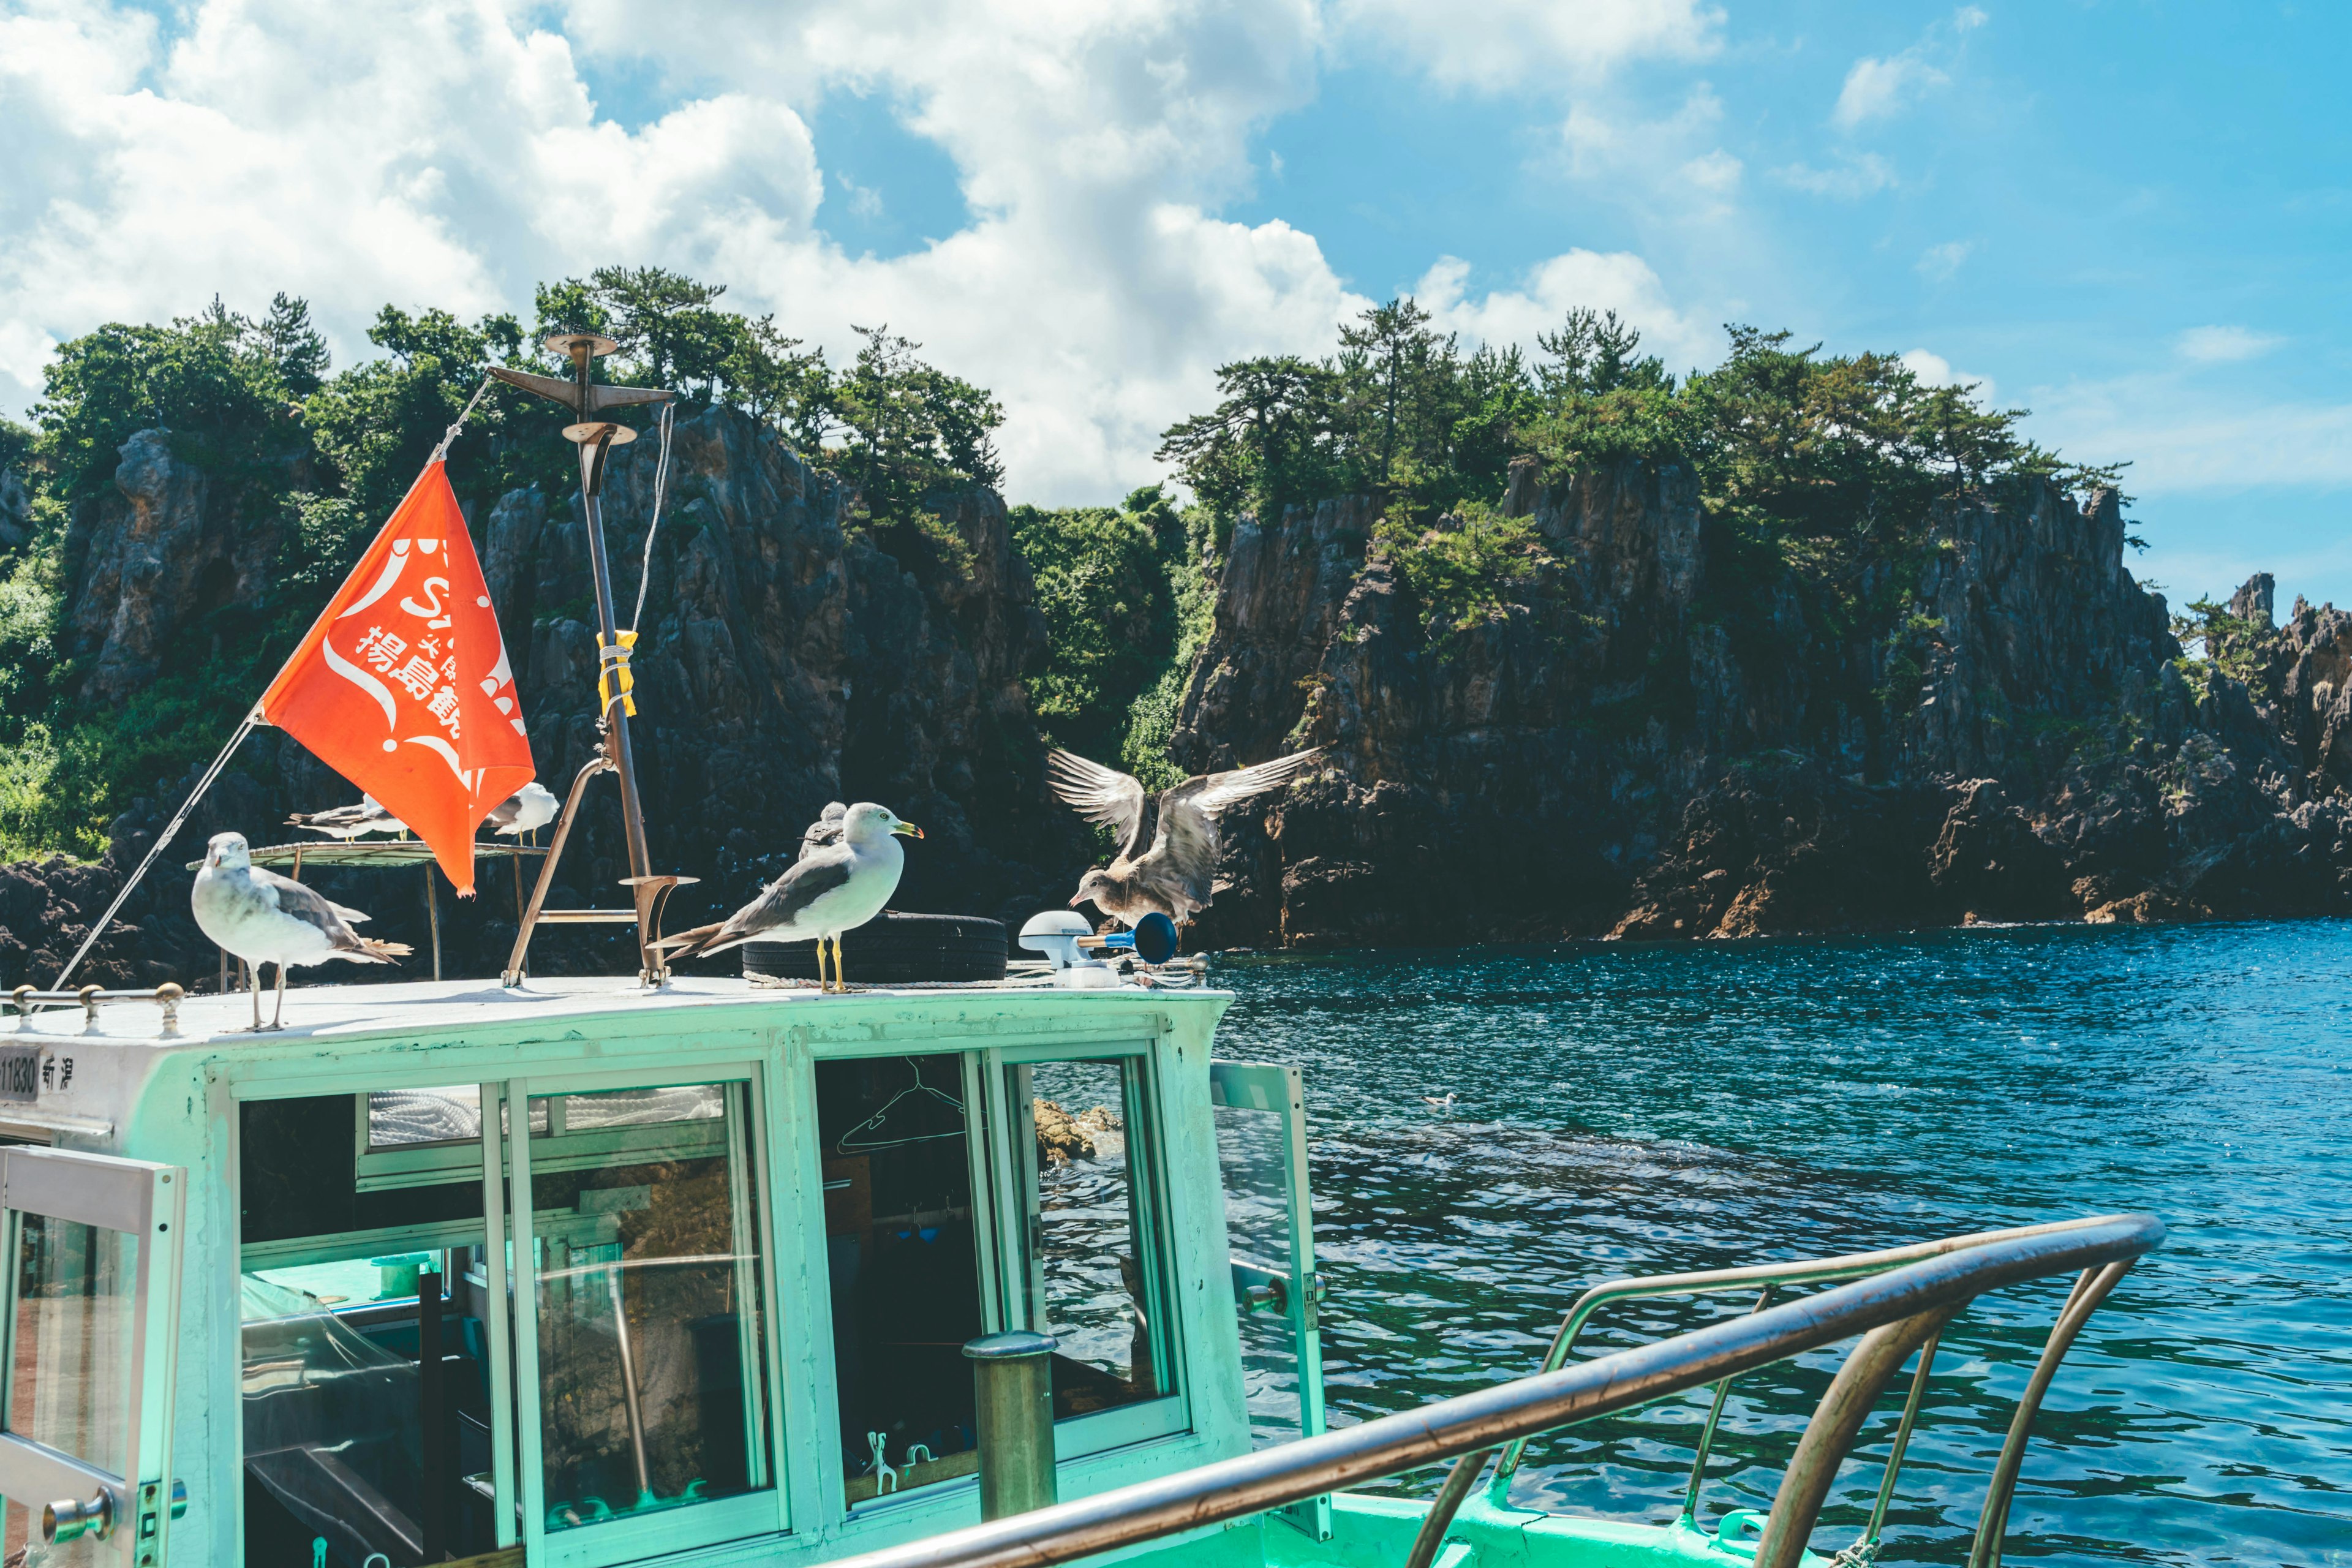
(441, 452)
(661, 478)
(156, 849)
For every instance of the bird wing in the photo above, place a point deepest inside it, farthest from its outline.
(827, 829)
(310, 905)
(1099, 795)
(781, 903)
(1215, 792)
(1185, 853)
(505, 812)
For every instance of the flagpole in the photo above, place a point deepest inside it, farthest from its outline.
(253, 719)
(162, 838)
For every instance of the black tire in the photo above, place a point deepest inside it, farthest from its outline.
(893, 949)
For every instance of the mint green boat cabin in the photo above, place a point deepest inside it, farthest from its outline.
(580, 1274)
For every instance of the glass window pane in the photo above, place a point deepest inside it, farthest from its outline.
(400, 1117)
(337, 1446)
(903, 1253)
(1092, 1271)
(69, 1387)
(1250, 1151)
(652, 1334)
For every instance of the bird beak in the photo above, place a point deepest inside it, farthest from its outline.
(908, 829)
(1079, 900)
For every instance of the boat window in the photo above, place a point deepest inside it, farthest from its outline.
(1092, 1265)
(903, 1254)
(69, 1385)
(646, 1265)
(353, 1433)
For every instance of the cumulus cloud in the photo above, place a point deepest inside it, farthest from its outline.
(1935, 370)
(2224, 345)
(457, 157)
(1506, 42)
(1617, 280)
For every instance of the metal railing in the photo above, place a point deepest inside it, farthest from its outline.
(1897, 1309)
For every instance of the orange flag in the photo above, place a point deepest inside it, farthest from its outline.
(402, 685)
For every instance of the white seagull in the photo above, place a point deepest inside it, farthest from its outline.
(1176, 873)
(833, 888)
(264, 918)
(527, 810)
(349, 822)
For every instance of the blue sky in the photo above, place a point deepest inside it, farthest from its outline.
(2130, 217)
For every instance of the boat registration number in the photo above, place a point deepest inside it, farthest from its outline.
(20, 1073)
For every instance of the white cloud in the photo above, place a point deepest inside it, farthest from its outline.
(1853, 178)
(1878, 90)
(1618, 281)
(2224, 345)
(1935, 370)
(457, 156)
(2180, 440)
(1506, 42)
(1940, 263)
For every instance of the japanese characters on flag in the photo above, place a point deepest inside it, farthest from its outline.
(403, 685)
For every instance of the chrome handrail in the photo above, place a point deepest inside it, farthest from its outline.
(1896, 1312)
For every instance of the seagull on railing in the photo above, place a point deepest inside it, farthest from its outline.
(264, 918)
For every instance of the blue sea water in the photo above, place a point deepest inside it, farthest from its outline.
(1640, 1110)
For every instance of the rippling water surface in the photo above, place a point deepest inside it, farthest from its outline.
(1645, 1109)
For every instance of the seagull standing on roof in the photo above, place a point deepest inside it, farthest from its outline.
(833, 888)
(349, 822)
(264, 918)
(1174, 876)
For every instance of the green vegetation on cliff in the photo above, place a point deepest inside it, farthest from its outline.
(1125, 603)
(319, 458)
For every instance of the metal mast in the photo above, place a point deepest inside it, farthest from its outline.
(595, 437)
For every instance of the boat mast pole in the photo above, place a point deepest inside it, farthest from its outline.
(595, 442)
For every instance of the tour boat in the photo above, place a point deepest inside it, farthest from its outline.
(591, 1273)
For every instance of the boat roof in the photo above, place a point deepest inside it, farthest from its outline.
(329, 1012)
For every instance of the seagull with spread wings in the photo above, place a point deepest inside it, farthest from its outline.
(1174, 874)
(264, 918)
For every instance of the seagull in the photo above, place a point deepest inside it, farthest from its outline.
(833, 888)
(347, 822)
(527, 810)
(826, 829)
(1174, 876)
(1442, 1103)
(264, 918)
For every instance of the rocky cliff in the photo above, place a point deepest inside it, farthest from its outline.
(785, 662)
(1649, 743)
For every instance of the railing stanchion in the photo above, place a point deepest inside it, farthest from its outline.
(1707, 1433)
(1993, 1524)
(1013, 1381)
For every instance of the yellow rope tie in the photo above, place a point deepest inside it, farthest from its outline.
(614, 681)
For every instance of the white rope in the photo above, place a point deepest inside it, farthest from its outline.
(661, 479)
(156, 849)
(441, 452)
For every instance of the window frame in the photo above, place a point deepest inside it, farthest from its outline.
(764, 1512)
(1014, 1183)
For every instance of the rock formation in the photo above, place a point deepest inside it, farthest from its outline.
(785, 662)
(1617, 755)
